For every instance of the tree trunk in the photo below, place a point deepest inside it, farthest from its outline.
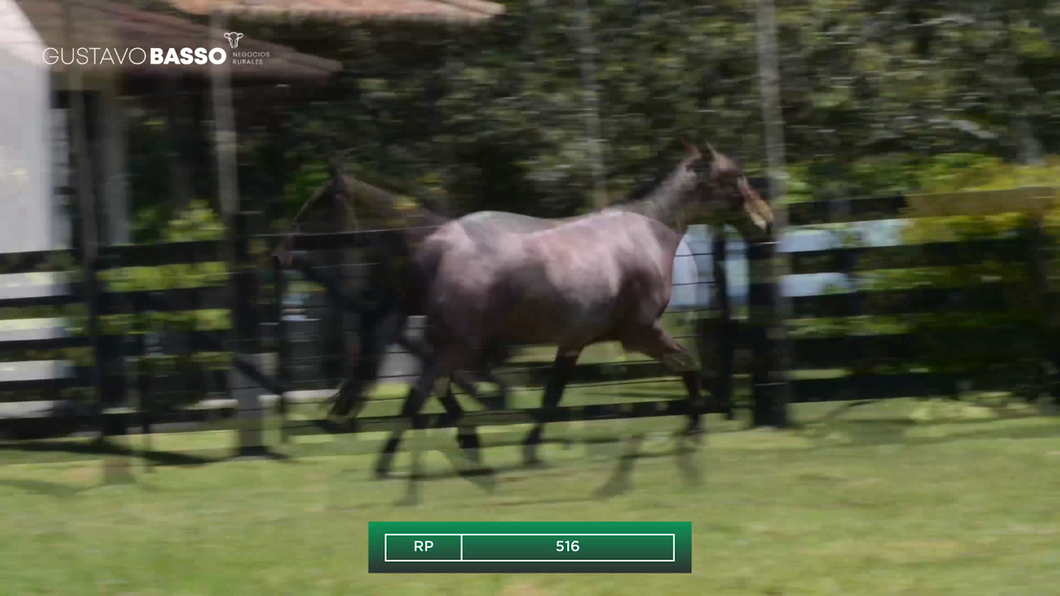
(247, 396)
(587, 52)
(176, 156)
(1028, 147)
(771, 387)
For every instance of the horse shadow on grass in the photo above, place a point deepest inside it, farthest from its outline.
(898, 430)
(71, 450)
(618, 483)
(683, 454)
(58, 490)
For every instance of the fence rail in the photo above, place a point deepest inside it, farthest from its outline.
(842, 366)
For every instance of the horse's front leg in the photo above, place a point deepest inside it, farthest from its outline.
(562, 368)
(495, 355)
(466, 436)
(437, 366)
(655, 342)
(379, 331)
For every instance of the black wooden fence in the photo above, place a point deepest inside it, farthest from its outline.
(130, 393)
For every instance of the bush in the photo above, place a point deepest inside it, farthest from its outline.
(197, 222)
(1011, 344)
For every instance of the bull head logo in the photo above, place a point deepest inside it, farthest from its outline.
(233, 38)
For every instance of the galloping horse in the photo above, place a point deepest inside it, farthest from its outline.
(605, 276)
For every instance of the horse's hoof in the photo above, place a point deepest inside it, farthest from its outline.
(693, 433)
(468, 440)
(469, 443)
(493, 405)
(530, 458)
(473, 454)
(478, 472)
(382, 467)
(340, 423)
(696, 438)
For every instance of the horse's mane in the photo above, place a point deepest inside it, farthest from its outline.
(637, 199)
(645, 188)
(395, 187)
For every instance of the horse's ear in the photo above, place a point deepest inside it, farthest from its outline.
(690, 149)
(335, 167)
(338, 181)
(713, 152)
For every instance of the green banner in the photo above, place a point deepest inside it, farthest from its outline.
(529, 547)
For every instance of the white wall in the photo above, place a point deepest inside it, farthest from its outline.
(28, 213)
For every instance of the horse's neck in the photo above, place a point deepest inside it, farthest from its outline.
(396, 211)
(664, 204)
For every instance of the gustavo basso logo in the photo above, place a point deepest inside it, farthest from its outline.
(252, 58)
(156, 56)
(242, 57)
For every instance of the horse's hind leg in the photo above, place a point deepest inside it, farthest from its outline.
(562, 368)
(500, 402)
(657, 343)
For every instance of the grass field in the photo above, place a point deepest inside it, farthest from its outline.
(881, 500)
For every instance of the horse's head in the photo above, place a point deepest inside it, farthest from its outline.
(725, 195)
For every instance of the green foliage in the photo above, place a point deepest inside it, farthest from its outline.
(967, 171)
(1011, 343)
(876, 98)
(495, 117)
(197, 222)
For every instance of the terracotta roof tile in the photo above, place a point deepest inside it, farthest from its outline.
(461, 11)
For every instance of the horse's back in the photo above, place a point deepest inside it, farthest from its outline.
(570, 284)
(489, 229)
(577, 281)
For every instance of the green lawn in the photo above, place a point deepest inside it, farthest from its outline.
(898, 498)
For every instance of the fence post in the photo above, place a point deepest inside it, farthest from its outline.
(250, 415)
(143, 376)
(771, 389)
(766, 323)
(1038, 273)
(840, 210)
(86, 213)
(725, 345)
(110, 364)
(769, 407)
(279, 284)
(92, 299)
(249, 404)
(337, 343)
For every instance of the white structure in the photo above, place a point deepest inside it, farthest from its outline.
(34, 125)
(31, 218)
(685, 279)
